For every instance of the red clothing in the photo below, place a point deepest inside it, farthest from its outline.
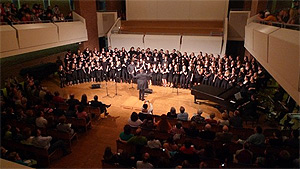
(82, 115)
(58, 99)
(190, 150)
(211, 121)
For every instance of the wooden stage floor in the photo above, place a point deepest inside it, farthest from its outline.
(88, 151)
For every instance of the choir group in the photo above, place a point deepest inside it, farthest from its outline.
(173, 69)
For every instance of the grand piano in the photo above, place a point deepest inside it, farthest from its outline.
(224, 97)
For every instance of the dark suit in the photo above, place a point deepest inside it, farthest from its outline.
(142, 83)
(100, 105)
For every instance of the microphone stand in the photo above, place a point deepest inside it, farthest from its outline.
(116, 89)
(107, 95)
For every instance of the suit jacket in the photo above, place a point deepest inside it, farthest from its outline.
(142, 80)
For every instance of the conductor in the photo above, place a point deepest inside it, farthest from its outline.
(142, 83)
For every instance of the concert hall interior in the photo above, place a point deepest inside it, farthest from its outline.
(149, 83)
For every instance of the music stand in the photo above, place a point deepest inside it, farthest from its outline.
(107, 95)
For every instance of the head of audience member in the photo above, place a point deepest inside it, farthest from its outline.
(199, 112)
(178, 125)
(127, 129)
(173, 110)
(207, 127)
(212, 116)
(72, 96)
(26, 133)
(40, 114)
(225, 129)
(36, 133)
(84, 98)
(258, 130)
(80, 109)
(187, 143)
(146, 157)
(193, 125)
(108, 154)
(182, 109)
(96, 98)
(236, 113)
(224, 116)
(145, 106)
(134, 117)
(138, 131)
(151, 136)
(62, 119)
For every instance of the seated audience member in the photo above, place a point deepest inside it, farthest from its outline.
(182, 115)
(192, 131)
(293, 141)
(72, 102)
(207, 152)
(244, 156)
(148, 122)
(198, 118)
(268, 160)
(47, 109)
(224, 121)
(8, 133)
(126, 134)
(145, 162)
(207, 134)
(84, 100)
(152, 142)
(187, 148)
(14, 157)
(110, 157)
(147, 108)
(224, 136)
(177, 131)
(138, 140)
(284, 159)
(257, 138)
(211, 119)
(40, 121)
(63, 126)
(269, 17)
(170, 146)
(27, 137)
(44, 142)
(134, 120)
(16, 134)
(172, 113)
(103, 107)
(275, 139)
(163, 124)
(4, 153)
(236, 121)
(57, 99)
(81, 114)
(30, 119)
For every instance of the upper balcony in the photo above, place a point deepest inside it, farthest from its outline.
(33, 36)
(276, 47)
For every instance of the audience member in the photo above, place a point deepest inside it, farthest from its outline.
(198, 118)
(138, 139)
(152, 142)
(126, 134)
(103, 107)
(211, 119)
(145, 162)
(224, 136)
(236, 121)
(207, 134)
(40, 121)
(192, 131)
(63, 126)
(172, 113)
(163, 124)
(244, 156)
(184, 116)
(134, 120)
(257, 138)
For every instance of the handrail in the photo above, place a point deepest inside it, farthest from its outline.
(117, 23)
(271, 23)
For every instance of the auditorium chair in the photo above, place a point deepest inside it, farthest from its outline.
(95, 112)
(67, 137)
(128, 148)
(40, 154)
(79, 123)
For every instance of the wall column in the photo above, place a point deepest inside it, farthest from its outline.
(87, 9)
